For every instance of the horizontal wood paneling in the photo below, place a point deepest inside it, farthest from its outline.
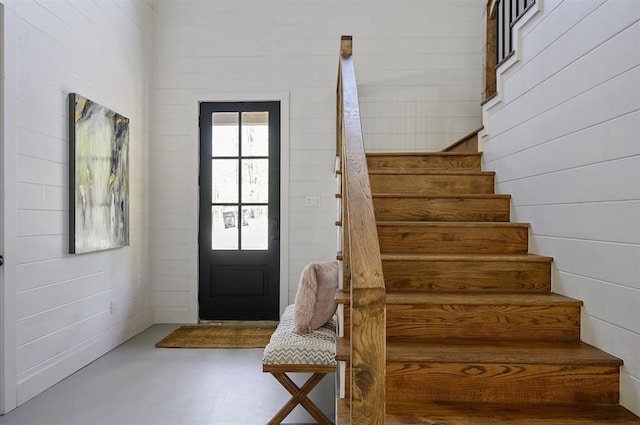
(607, 101)
(620, 342)
(577, 45)
(619, 55)
(591, 291)
(582, 148)
(103, 51)
(585, 220)
(564, 143)
(617, 262)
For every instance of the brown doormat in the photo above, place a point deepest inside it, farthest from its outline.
(217, 337)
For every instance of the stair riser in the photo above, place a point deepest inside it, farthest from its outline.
(431, 162)
(467, 144)
(462, 276)
(453, 240)
(432, 184)
(491, 322)
(501, 383)
(434, 209)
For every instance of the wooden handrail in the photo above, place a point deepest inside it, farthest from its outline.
(361, 255)
(491, 50)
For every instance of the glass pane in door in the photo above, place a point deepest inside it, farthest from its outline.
(224, 135)
(255, 133)
(255, 180)
(255, 228)
(224, 181)
(224, 227)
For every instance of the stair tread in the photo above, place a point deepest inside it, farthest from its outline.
(492, 414)
(415, 153)
(451, 224)
(477, 298)
(482, 351)
(466, 257)
(428, 171)
(442, 196)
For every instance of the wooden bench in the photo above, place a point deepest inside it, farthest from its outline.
(288, 352)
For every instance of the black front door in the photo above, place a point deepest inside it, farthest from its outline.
(239, 261)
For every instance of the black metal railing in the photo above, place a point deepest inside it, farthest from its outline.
(507, 13)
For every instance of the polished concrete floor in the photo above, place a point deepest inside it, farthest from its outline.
(138, 384)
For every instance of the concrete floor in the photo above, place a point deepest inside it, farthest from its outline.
(138, 384)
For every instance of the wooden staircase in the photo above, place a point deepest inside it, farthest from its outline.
(474, 334)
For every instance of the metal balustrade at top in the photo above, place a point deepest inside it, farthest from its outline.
(507, 13)
(500, 43)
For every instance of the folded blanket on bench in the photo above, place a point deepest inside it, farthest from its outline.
(289, 348)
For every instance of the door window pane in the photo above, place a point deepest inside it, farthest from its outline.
(224, 227)
(255, 180)
(224, 180)
(255, 228)
(255, 134)
(224, 134)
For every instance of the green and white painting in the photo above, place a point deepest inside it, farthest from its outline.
(98, 178)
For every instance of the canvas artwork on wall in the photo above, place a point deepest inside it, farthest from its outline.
(98, 177)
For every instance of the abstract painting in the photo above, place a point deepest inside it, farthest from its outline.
(98, 177)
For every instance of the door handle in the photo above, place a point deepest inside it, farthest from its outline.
(1, 260)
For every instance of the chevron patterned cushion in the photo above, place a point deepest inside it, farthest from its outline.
(287, 347)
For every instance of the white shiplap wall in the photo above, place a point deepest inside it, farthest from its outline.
(418, 64)
(104, 51)
(565, 142)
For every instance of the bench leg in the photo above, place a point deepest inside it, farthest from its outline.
(300, 397)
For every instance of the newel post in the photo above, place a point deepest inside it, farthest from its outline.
(346, 46)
